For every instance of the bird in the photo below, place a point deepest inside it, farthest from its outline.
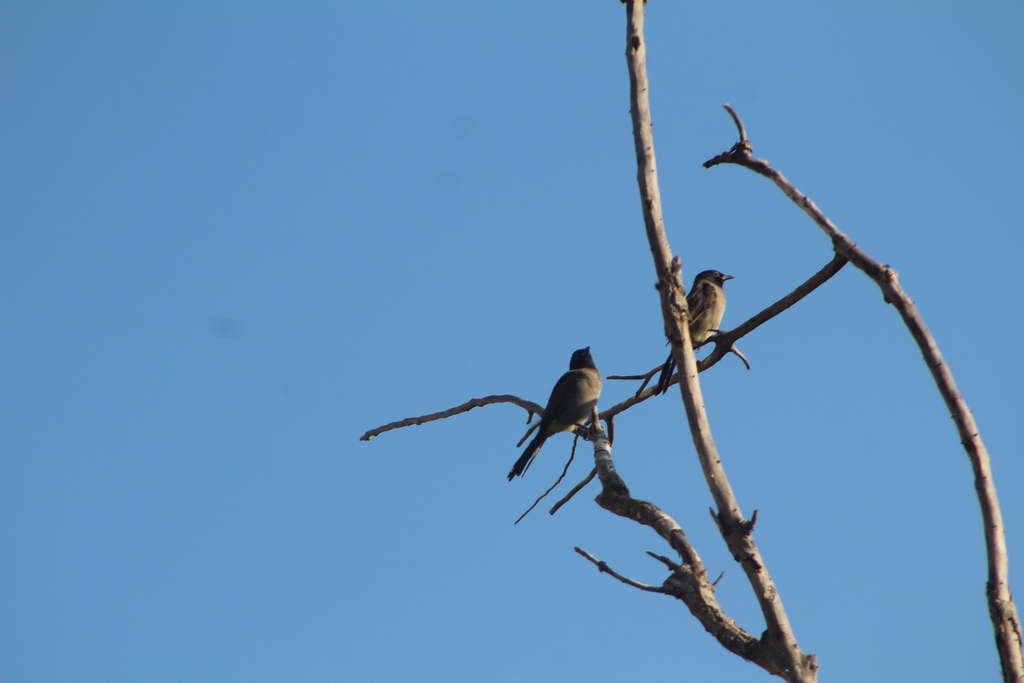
(571, 403)
(706, 302)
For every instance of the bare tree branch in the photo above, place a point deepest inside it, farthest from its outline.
(786, 657)
(688, 581)
(724, 341)
(529, 406)
(1002, 611)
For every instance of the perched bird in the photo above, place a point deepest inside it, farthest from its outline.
(572, 400)
(706, 302)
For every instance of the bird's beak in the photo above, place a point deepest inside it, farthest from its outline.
(728, 277)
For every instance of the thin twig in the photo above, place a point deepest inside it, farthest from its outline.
(603, 566)
(733, 349)
(565, 469)
(529, 406)
(645, 377)
(664, 560)
(529, 431)
(738, 122)
(575, 489)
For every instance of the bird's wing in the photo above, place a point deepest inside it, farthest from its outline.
(702, 298)
(572, 398)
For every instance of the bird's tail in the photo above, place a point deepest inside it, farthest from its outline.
(666, 375)
(523, 463)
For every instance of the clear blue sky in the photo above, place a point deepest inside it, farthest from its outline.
(234, 236)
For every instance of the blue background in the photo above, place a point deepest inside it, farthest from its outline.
(234, 236)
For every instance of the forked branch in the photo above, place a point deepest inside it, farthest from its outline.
(688, 581)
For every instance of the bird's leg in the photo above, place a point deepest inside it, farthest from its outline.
(709, 340)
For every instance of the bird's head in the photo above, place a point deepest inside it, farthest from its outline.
(581, 359)
(712, 276)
